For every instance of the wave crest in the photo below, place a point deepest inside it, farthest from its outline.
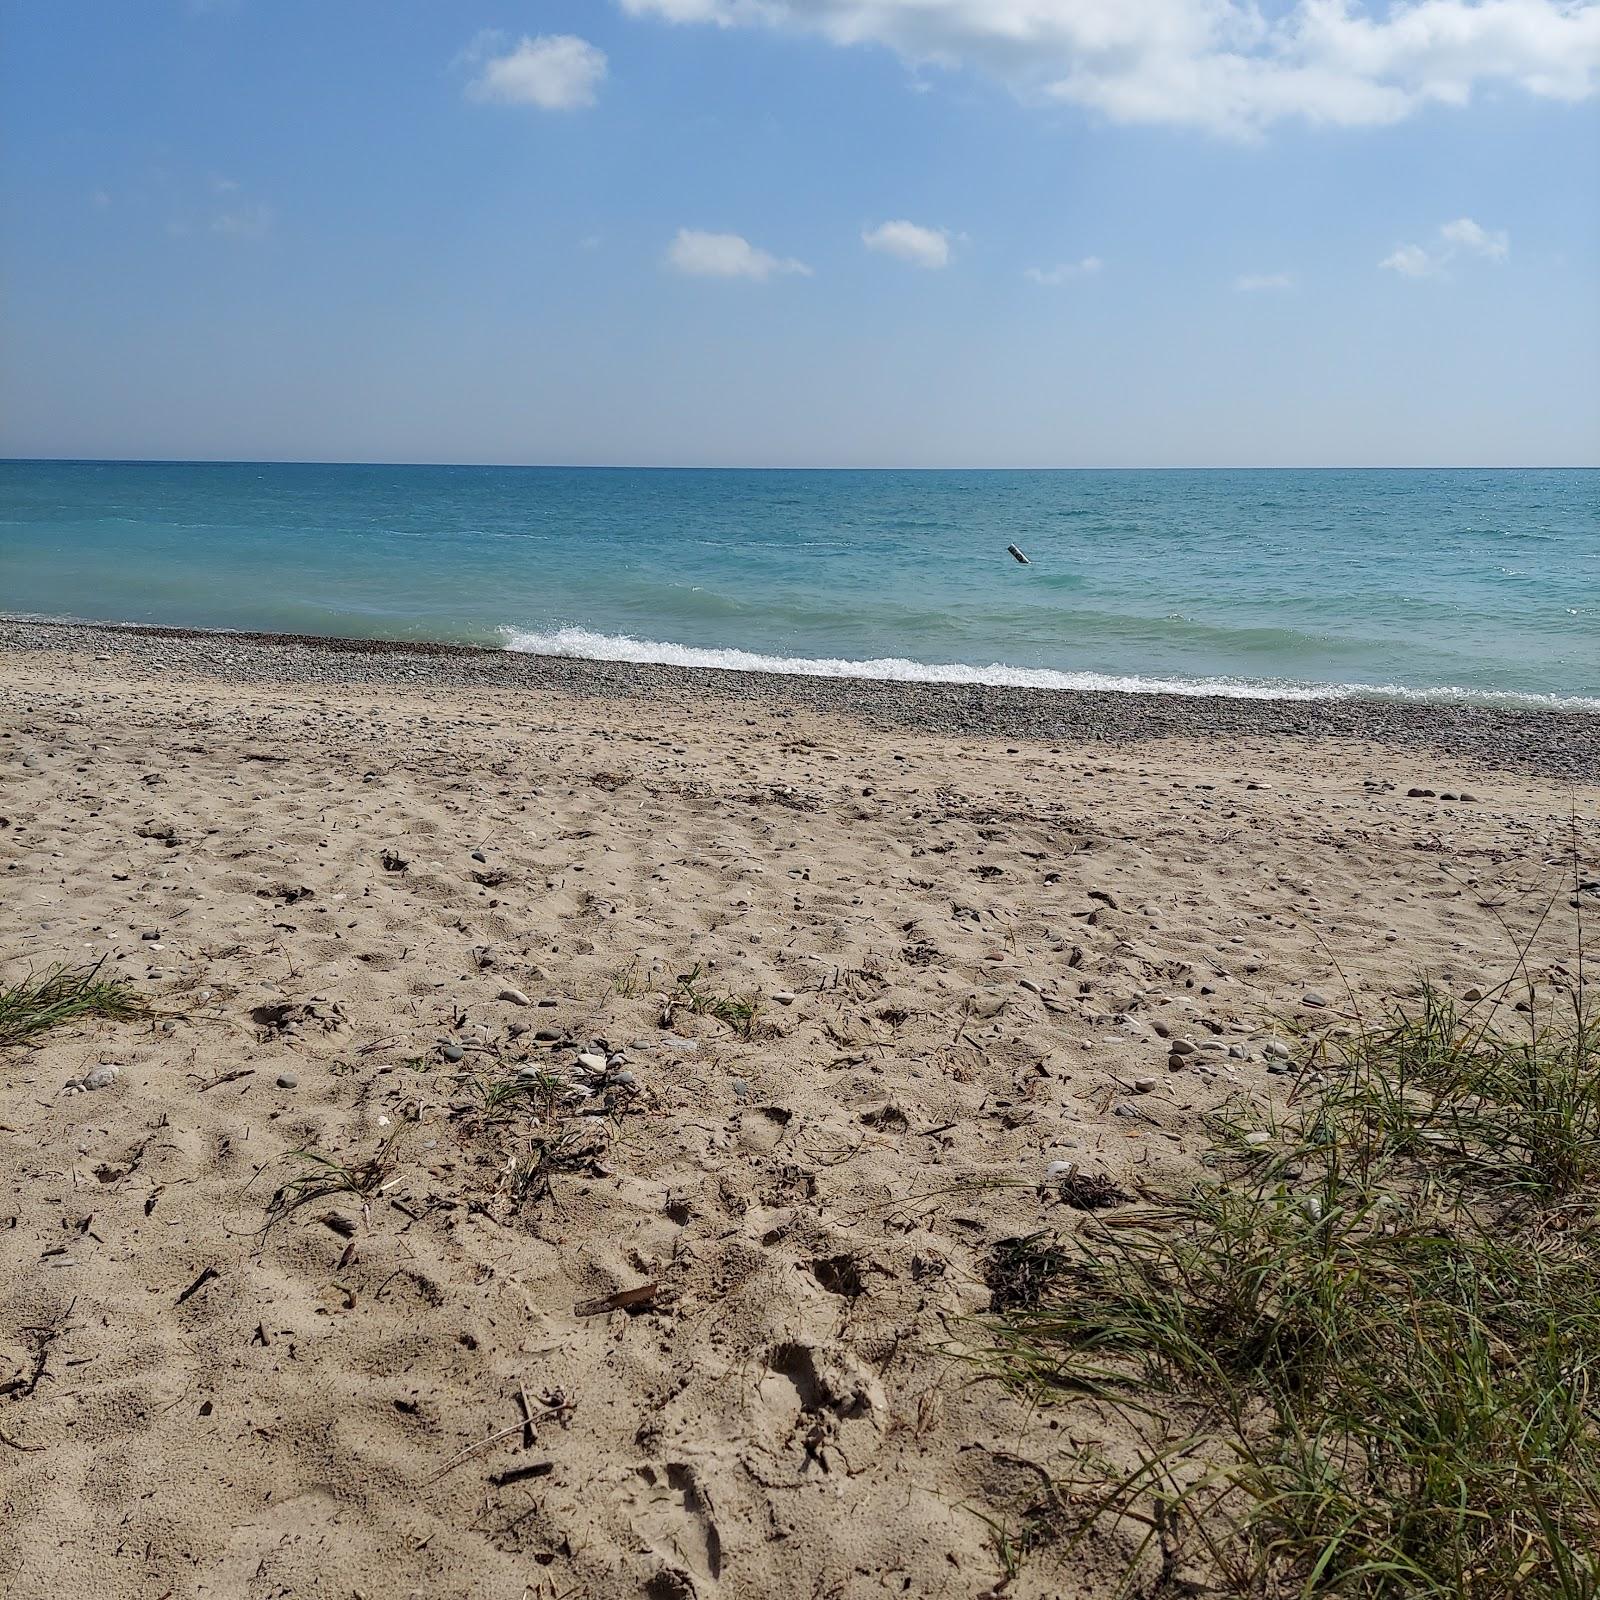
(586, 645)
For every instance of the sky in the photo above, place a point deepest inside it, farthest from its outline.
(802, 232)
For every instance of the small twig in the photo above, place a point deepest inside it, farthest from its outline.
(226, 1077)
(198, 1284)
(461, 1455)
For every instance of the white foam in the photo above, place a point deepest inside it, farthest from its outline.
(586, 645)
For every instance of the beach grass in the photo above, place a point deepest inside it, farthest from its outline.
(320, 1176)
(1363, 1357)
(740, 1012)
(61, 996)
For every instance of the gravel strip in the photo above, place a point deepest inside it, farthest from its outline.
(1551, 743)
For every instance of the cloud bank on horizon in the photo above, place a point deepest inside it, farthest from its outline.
(1216, 64)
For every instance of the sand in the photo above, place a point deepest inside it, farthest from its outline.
(967, 950)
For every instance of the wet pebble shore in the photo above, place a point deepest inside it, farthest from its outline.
(1551, 743)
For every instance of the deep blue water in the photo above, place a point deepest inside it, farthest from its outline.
(1485, 583)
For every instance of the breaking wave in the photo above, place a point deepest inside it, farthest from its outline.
(586, 645)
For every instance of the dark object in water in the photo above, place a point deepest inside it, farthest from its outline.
(1016, 554)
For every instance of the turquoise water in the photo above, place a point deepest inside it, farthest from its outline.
(1483, 584)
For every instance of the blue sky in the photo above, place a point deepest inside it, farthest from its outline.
(802, 232)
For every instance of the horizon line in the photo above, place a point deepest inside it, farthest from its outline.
(645, 466)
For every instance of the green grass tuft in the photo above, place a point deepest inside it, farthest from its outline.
(64, 995)
(322, 1176)
(739, 1012)
(1365, 1360)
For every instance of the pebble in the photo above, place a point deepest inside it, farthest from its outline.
(478, 855)
(1257, 1138)
(287, 1080)
(590, 1062)
(515, 996)
(1312, 998)
(452, 1051)
(624, 1080)
(784, 997)
(1145, 1085)
(1058, 1169)
(1183, 1047)
(1277, 1049)
(101, 1077)
(741, 1089)
(1473, 995)
(1032, 986)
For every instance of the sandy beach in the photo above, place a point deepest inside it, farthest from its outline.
(686, 1044)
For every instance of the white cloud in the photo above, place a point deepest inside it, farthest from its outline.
(1054, 277)
(922, 247)
(1257, 282)
(1455, 238)
(726, 255)
(243, 222)
(1466, 234)
(1233, 66)
(218, 206)
(556, 71)
(1410, 261)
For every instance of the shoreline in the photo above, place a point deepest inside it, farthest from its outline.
(1551, 742)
